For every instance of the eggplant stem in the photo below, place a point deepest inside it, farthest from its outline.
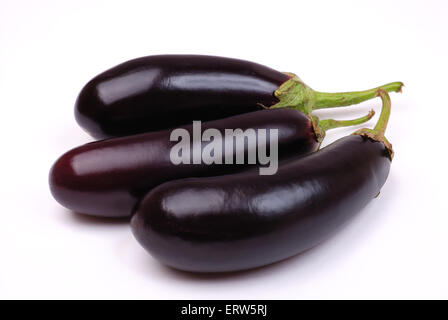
(321, 126)
(295, 94)
(377, 134)
(342, 99)
(329, 124)
(381, 125)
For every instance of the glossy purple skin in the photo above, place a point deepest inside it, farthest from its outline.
(164, 91)
(108, 178)
(244, 220)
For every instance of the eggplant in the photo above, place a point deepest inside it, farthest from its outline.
(107, 178)
(164, 91)
(243, 221)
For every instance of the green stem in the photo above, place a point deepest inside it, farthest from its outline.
(294, 93)
(329, 124)
(381, 125)
(321, 126)
(342, 99)
(377, 134)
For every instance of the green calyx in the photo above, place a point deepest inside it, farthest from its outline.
(377, 133)
(295, 94)
(320, 127)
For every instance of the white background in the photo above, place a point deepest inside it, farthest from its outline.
(395, 248)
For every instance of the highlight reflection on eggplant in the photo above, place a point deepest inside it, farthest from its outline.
(244, 220)
(165, 91)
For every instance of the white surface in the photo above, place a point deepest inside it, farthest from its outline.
(395, 248)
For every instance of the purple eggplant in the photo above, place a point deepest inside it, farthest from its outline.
(108, 178)
(243, 220)
(165, 91)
